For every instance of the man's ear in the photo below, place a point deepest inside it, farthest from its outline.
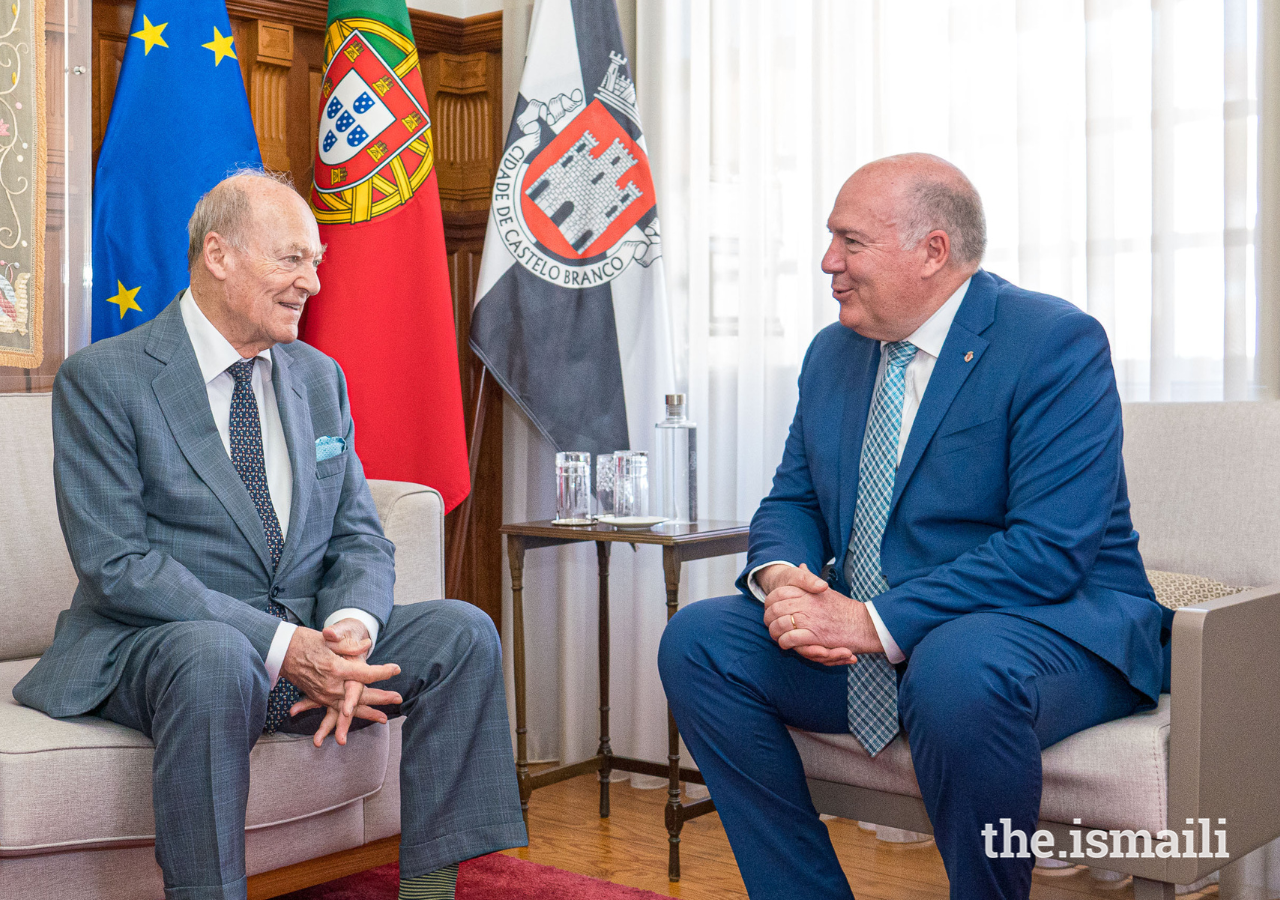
(216, 255)
(937, 246)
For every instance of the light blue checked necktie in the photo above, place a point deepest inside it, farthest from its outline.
(247, 456)
(873, 686)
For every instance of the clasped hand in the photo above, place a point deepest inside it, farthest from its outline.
(804, 614)
(329, 668)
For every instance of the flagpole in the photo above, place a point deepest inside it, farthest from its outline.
(453, 569)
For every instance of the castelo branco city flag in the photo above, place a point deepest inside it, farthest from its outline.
(384, 310)
(571, 315)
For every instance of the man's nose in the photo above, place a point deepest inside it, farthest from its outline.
(310, 280)
(832, 262)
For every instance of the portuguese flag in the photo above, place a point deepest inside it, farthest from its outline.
(384, 311)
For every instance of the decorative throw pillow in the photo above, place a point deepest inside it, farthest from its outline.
(1176, 590)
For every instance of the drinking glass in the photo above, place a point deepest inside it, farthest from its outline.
(604, 483)
(573, 488)
(630, 483)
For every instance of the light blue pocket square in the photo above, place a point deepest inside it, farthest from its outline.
(329, 447)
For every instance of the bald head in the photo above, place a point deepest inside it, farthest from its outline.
(930, 194)
(228, 208)
(906, 232)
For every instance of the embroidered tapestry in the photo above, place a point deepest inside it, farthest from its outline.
(22, 183)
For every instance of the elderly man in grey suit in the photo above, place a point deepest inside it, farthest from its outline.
(234, 577)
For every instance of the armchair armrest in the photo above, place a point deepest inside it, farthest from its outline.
(1224, 730)
(413, 518)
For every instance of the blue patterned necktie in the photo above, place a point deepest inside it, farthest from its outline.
(873, 685)
(247, 457)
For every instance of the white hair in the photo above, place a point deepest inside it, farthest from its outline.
(954, 207)
(226, 209)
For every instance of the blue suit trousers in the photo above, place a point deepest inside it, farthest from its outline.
(981, 696)
(199, 691)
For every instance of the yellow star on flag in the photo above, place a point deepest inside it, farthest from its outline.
(221, 47)
(124, 299)
(150, 34)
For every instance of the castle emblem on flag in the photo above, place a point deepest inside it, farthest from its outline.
(618, 90)
(580, 191)
(374, 140)
(570, 211)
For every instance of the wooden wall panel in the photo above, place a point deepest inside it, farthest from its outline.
(268, 55)
(110, 37)
(280, 45)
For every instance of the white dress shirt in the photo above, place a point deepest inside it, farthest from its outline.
(214, 354)
(928, 339)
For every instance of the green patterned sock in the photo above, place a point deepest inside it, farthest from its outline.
(437, 885)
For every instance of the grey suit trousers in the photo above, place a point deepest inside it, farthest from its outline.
(199, 691)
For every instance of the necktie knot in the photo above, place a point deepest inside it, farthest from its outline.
(900, 353)
(241, 371)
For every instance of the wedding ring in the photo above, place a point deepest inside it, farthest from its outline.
(793, 622)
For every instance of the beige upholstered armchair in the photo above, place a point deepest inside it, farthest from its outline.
(1204, 479)
(75, 794)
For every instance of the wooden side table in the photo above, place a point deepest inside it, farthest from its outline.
(680, 544)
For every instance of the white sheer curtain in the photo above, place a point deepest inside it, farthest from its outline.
(1114, 143)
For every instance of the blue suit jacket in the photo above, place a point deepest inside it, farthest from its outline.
(160, 527)
(1010, 496)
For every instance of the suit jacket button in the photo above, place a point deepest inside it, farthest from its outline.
(275, 592)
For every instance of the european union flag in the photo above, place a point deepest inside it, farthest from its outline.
(179, 124)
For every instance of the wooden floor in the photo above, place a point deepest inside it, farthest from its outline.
(630, 847)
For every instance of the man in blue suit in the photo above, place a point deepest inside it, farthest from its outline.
(955, 458)
(233, 573)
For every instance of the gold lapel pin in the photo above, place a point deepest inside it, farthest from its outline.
(968, 357)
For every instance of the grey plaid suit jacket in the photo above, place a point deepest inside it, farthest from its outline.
(161, 528)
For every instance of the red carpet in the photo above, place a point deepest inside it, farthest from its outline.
(492, 877)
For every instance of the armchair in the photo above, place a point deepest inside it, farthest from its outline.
(1204, 481)
(75, 794)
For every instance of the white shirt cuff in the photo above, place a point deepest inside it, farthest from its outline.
(369, 622)
(892, 651)
(284, 634)
(756, 590)
(279, 647)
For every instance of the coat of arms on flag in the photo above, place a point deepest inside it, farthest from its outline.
(374, 142)
(573, 190)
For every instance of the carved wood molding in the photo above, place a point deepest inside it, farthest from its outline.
(269, 59)
(462, 73)
(465, 226)
(479, 33)
(301, 13)
(463, 107)
(432, 31)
